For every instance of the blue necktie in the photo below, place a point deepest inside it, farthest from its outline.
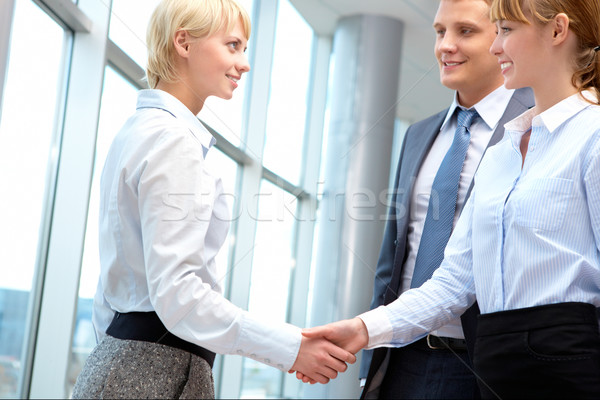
(442, 203)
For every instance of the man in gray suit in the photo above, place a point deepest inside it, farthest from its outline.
(438, 366)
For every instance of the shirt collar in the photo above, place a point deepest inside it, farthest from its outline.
(154, 98)
(490, 108)
(553, 117)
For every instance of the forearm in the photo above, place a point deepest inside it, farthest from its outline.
(417, 312)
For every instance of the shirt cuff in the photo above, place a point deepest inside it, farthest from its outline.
(276, 345)
(379, 328)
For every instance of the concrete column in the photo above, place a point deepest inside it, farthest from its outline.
(352, 212)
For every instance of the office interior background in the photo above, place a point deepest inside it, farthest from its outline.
(307, 150)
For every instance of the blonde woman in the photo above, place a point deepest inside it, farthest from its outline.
(158, 312)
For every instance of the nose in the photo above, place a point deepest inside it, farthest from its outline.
(243, 65)
(496, 47)
(447, 44)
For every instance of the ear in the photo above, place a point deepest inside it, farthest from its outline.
(182, 43)
(560, 28)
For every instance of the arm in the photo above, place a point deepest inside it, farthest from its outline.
(591, 180)
(446, 295)
(449, 292)
(176, 205)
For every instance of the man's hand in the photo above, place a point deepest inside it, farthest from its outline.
(319, 360)
(349, 334)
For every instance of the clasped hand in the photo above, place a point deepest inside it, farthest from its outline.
(326, 349)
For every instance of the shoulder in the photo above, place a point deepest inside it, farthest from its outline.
(157, 125)
(524, 96)
(586, 123)
(433, 122)
(155, 134)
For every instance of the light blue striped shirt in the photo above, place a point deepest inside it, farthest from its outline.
(529, 234)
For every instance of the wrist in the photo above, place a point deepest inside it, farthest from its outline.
(379, 331)
(361, 331)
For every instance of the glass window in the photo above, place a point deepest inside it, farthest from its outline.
(128, 23)
(286, 112)
(118, 104)
(226, 116)
(28, 145)
(272, 265)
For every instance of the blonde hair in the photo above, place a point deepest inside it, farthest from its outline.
(200, 18)
(584, 22)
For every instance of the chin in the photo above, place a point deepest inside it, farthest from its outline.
(452, 83)
(511, 85)
(225, 96)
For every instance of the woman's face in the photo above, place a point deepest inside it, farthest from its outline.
(217, 63)
(522, 54)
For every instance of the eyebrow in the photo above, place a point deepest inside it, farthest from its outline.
(458, 23)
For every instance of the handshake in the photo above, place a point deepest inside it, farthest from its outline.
(326, 349)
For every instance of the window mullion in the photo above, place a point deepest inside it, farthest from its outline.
(69, 215)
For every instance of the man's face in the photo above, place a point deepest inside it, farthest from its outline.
(464, 35)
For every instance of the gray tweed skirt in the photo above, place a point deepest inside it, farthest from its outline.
(127, 369)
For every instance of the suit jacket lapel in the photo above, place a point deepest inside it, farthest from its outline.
(417, 147)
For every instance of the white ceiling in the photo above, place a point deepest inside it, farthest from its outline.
(420, 93)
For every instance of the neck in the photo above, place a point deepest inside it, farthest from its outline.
(547, 96)
(182, 92)
(468, 99)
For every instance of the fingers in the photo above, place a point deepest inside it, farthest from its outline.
(304, 378)
(316, 361)
(318, 331)
(342, 355)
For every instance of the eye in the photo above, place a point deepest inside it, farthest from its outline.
(233, 45)
(440, 32)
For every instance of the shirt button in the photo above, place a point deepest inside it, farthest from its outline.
(253, 355)
(240, 352)
(396, 242)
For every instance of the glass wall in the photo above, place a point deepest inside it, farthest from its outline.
(128, 21)
(29, 139)
(286, 118)
(272, 264)
(117, 104)
(33, 147)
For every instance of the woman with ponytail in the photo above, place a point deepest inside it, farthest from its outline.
(527, 244)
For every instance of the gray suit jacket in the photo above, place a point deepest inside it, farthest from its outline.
(417, 142)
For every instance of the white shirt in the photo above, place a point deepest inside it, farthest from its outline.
(528, 236)
(163, 218)
(490, 110)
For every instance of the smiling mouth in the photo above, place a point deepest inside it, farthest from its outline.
(451, 64)
(232, 78)
(505, 65)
